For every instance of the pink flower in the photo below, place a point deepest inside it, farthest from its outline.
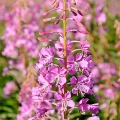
(86, 65)
(73, 63)
(83, 106)
(84, 45)
(64, 100)
(101, 18)
(82, 84)
(46, 56)
(55, 73)
(9, 88)
(60, 49)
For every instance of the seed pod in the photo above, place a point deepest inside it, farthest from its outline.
(57, 21)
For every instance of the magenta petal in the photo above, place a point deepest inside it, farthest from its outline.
(59, 106)
(49, 78)
(42, 80)
(86, 72)
(87, 46)
(82, 78)
(63, 71)
(57, 96)
(83, 64)
(61, 61)
(84, 100)
(82, 105)
(61, 39)
(78, 56)
(58, 45)
(84, 45)
(41, 111)
(74, 91)
(83, 31)
(46, 51)
(90, 64)
(73, 80)
(54, 70)
(45, 104)
(90, 92)
(72, 69)
(86, 88)
(83, 108)
(88, 58)
(32, 118)
(71, 103)
(94, 108)
(62, 80)
(70, 59)
(68, 95)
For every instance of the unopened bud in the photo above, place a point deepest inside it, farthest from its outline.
(74, 2)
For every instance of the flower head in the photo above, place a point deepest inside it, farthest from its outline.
(83, 106)
(82, 84)
(64, 101)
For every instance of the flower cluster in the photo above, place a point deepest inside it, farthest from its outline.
(107, 73)
(21, 26)
(63, 70)
(10, 88)
(25, 97)
(22, 23)
(63, 65)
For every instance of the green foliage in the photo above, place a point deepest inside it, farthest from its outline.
(8, 105)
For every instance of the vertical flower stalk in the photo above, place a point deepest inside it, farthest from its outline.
(64, 34)
(62, 70)
(65, 48)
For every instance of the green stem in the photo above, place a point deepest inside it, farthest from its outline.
(65, 48)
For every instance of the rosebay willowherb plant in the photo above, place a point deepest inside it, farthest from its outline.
(63, 71)
(22, 23)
